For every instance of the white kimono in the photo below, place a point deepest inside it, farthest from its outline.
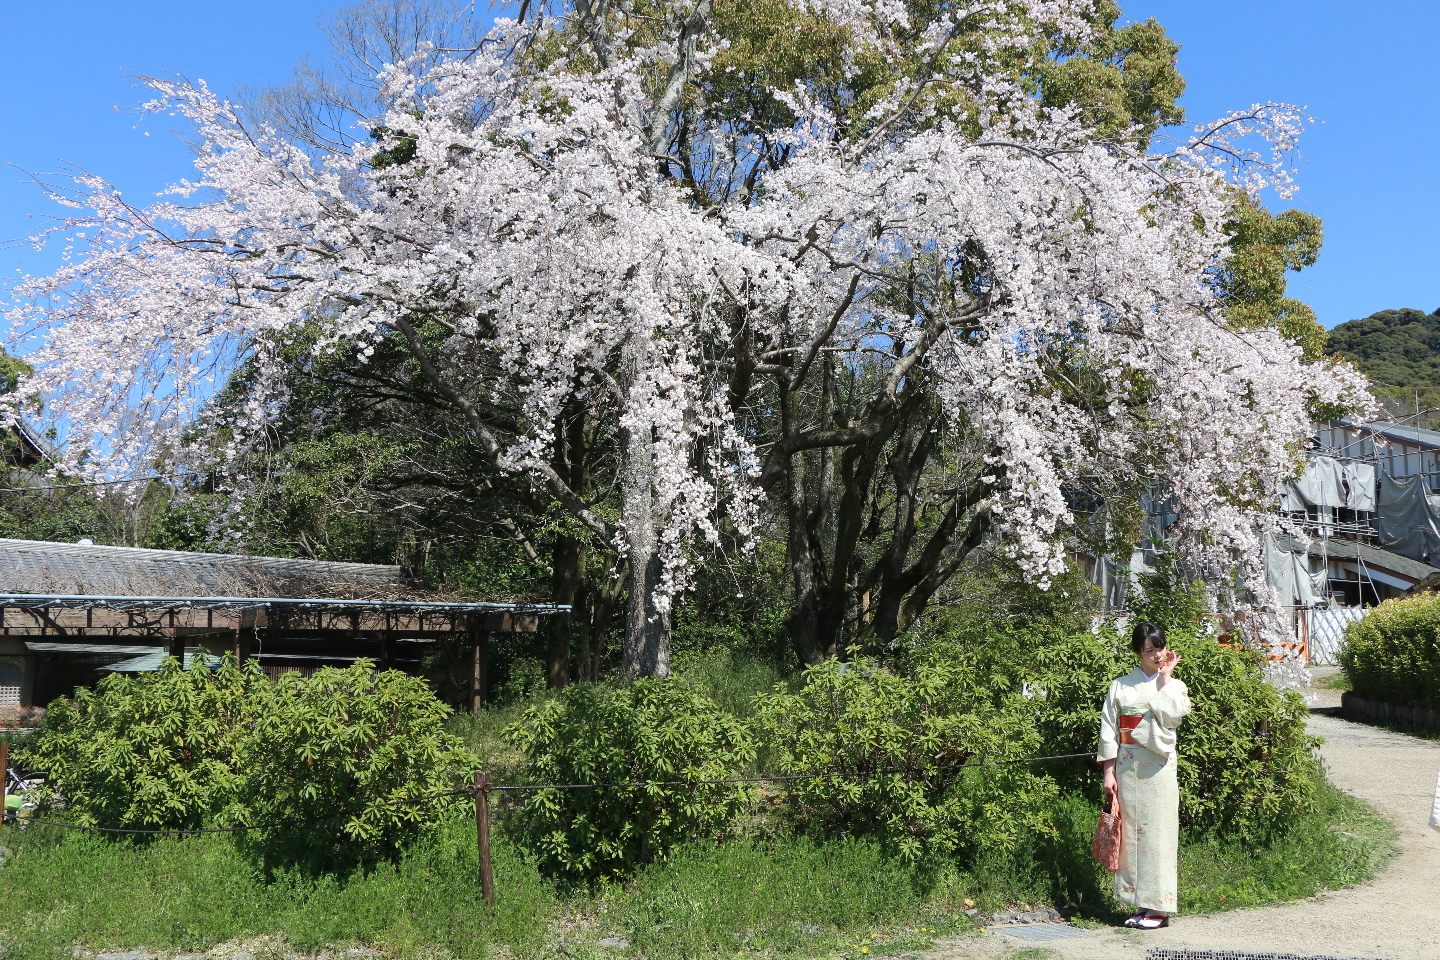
(1149, 793)
(1435, 807)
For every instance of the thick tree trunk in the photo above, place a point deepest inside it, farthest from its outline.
(803, 618)
(646, 650)
(567, 563)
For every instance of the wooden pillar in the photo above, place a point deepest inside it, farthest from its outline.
(175, 645)
(479, 666)
(387, 651)
(240, 638)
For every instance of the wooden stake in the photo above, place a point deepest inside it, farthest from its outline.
(5, 775)
(482, 833)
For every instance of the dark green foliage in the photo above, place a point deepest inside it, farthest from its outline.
(650, 731)
(1399, 350)
(64, 516)
(1264, 247)
(1394, 653)
(12, 370)
(904, 741)
(1127, 77)
(229, 747)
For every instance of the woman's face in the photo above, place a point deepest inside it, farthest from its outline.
(1152, 658)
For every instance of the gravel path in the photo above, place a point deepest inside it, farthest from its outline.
(1396, 917)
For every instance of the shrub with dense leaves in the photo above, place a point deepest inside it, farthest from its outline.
(1394, 653)
(662, 735)
(891, 755)
(1233, 782)
(153, 751)
(325, 758)
(337, 760)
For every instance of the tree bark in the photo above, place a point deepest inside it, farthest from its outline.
(646, 650)
(571, 460)
(567, 564)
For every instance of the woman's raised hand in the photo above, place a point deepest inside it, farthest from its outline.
(1168, 659)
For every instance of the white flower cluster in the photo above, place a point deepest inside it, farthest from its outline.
(533, 223)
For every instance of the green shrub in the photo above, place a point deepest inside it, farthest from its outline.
(902, 740)
(1231, 783)
(200, 748)
(154, 751)
(341, 752)
(662, 733)
(1394, 653)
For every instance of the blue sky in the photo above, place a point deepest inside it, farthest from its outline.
(1371, 170)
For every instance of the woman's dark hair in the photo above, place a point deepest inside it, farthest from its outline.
(1147, 631)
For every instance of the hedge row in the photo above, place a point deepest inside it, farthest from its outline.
(1394, 653)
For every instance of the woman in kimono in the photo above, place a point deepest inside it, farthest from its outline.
(1138, 725)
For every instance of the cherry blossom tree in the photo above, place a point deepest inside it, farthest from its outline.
(556, 202)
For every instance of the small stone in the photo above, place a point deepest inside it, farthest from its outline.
(127, 955)
(619, 943)
(242, 955)
(972, 912)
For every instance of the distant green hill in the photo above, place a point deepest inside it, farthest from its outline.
(1399, 350)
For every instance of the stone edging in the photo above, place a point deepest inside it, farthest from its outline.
(1379, 711)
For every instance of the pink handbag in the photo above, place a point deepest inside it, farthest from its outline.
(1106, 846)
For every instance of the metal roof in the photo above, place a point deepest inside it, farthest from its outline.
(151, 661)
(1417, 436)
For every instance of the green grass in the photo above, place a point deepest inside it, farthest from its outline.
(1335, 681)
(67, 889)
(791, 897)
(781, 897)
(1342, 842)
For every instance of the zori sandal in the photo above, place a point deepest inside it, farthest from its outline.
(1152, 923)
(1135, 920)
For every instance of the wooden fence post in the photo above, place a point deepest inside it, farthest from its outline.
(482, 833)
(5, 776)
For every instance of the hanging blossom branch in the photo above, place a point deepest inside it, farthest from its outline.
(533, 224)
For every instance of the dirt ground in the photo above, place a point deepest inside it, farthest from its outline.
(1396, 917)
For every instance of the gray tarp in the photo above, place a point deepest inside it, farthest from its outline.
(1288, 574)
(1291, 500)
(1359, 485)
(1407, 522)
(1306, 589)
(1328, 482)
(1280, 571)
(1323, 482)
